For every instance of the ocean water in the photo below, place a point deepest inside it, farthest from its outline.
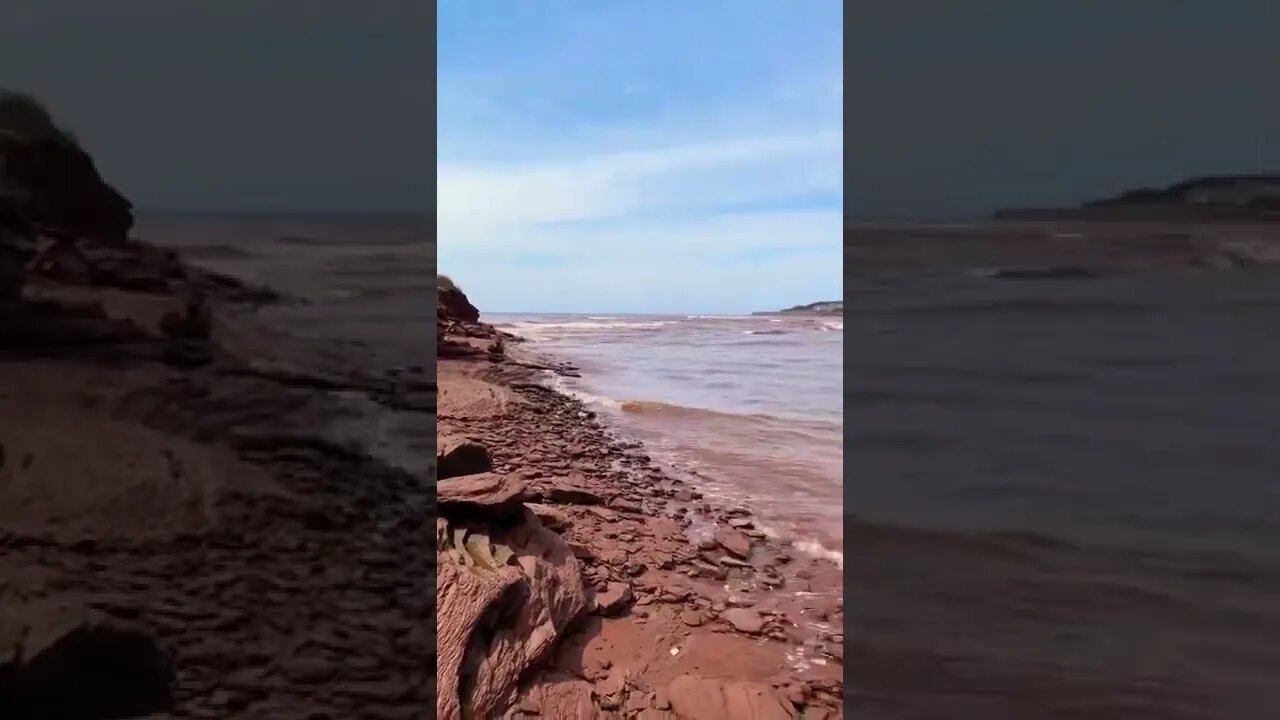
(1063, 494)
(749, 409)
(362, 295)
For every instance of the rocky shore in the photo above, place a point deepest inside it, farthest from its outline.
(577, 579)
(183, 534)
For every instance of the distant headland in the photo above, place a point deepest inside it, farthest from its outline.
(1237, 198)
(822, 307)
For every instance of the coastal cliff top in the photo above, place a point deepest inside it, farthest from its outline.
(822, 307)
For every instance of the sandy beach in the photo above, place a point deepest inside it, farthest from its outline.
(569, 547)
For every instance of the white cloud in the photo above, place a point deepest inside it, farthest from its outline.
(737, 262)
(485, 203)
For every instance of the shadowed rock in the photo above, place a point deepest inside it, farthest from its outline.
(48, 183)
(459, 456)
(58, 184)
(79, 666)
(568, 494)
(455, 305)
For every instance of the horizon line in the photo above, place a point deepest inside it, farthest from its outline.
(281, 211)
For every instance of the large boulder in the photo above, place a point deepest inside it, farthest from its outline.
(504, 598)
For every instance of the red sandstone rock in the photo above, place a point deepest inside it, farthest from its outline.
(697, 698)
(744, 620)
(614, 599)
(551, 517)
(560, 696)
(486, 490)
(464, 599)
(454, 303)
(522, 611)
(734, 542)
(569, 494)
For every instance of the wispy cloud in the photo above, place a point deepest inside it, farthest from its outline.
(647, 194)
(476, 200)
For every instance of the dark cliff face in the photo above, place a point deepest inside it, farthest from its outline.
(55, 184)
(48, 184)
(458, 326)
(452, 304)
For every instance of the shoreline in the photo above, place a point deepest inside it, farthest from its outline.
(812, 546)
(685, 608)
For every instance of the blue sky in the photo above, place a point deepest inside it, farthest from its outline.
(640, 156)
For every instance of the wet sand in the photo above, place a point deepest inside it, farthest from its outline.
(646, 619)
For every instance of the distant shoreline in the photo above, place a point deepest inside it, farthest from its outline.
(1211, 198)
(823, 308)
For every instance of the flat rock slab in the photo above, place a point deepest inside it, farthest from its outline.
(698, 698)
(485, 490)
(734, 543)
(744, 620)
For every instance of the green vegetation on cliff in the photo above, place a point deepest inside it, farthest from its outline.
(822, 307)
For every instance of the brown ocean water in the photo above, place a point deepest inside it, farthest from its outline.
(749, 409)
(361, 290)
(1063, 491)
(1060, 496)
